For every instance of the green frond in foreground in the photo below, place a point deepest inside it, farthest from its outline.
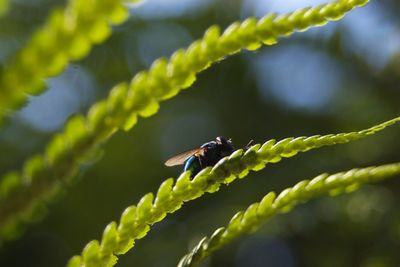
(68, 34)
(23, 192)
(136, 220)
(255, 215)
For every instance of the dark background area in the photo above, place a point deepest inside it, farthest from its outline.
(340, 77)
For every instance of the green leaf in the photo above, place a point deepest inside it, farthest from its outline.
(110, 239)
(245, 222)
(68, 34)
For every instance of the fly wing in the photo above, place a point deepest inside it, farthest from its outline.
(182, 157)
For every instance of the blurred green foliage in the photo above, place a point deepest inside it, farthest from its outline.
(68, 34)
(3, 7)
(254, 95)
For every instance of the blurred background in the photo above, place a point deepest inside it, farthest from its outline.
(341, 77)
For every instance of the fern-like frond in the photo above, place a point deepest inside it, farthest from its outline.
(22, 192)
(68, 34)
(136, 220)
(255, 215)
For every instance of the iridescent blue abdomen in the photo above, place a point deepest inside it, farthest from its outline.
(193, 164)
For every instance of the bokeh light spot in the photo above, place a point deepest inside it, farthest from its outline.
(66, 94)
(298, 77)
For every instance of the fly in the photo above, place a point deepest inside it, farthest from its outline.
(206, 155)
